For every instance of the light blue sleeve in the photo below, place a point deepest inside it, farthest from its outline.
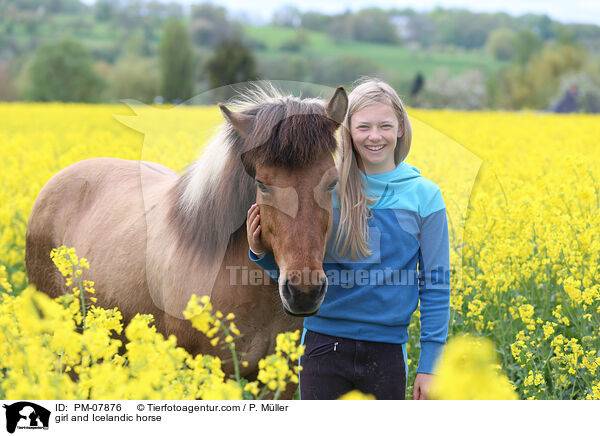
(267, 262)
(434, 287)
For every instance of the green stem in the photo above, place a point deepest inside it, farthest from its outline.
(236, 364)
(262, 393)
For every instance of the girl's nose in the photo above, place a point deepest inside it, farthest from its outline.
(374, 134)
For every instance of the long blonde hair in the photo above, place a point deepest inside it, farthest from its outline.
(353, 232)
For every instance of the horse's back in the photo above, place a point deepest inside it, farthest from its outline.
(96, 206)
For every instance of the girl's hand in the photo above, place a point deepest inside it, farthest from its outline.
(421, 388)
(253, 230)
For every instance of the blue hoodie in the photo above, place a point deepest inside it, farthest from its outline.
(373, 299)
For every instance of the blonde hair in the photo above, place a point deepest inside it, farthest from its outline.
(353, 232)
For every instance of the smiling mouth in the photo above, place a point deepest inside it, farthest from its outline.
(374, 147)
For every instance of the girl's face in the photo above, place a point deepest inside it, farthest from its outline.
(375, 131)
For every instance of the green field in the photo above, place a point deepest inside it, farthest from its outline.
(391, 59)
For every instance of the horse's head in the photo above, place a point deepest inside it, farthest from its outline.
(288, 149)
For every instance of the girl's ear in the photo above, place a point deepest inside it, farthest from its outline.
(400, 129)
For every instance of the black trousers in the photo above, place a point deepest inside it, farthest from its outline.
(332, 366)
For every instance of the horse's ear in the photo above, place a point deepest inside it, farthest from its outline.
(338, 105)
(242, 123)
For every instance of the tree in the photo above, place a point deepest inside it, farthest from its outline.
(315, 21)
(7, 89)
(176, 62)
(136, 78)
(104, 10)
(62, 71)
(231, 63)
(370, 25)
(526, 44)
(374, 25)
(501, 44)
(287, 16)
(533, 84)
(210, 25)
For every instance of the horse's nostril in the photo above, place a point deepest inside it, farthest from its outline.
(315, 291)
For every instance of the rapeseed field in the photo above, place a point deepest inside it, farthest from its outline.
(522, 192)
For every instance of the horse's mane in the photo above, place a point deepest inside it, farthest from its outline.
(210, 202)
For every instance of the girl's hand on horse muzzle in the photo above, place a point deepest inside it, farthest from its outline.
(253, 230)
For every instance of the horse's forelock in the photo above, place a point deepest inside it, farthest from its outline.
(290, 133)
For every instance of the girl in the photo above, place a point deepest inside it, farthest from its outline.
(390, 252)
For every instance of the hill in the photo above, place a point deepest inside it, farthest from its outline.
(390, 59)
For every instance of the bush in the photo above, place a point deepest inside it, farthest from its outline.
(297, 42)
(343, 70)
(285, 68)
(136, 78)
(467, 91)
(62, 71)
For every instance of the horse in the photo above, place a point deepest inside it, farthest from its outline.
(154, 237)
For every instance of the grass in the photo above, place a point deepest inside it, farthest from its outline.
(389, 58)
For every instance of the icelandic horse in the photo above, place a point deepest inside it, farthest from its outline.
(154, 237)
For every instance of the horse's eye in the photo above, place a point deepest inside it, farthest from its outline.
(262, 187)
(332, 185)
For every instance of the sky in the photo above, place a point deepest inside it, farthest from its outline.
(566, 11)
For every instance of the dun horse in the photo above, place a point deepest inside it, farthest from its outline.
(154, 238)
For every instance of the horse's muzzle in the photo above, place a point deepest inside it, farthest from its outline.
(303, 300)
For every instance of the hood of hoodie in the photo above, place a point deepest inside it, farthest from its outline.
(391, 183)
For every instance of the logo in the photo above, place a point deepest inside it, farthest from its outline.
(26, 415)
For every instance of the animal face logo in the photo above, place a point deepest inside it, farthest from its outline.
(26, 415)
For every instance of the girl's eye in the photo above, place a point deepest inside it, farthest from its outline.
(262, 187)
(386, 126)
(362, 127)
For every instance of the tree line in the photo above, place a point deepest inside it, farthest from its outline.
(161, 52)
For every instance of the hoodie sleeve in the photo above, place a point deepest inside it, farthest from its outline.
(266, 262)
(434, 284)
